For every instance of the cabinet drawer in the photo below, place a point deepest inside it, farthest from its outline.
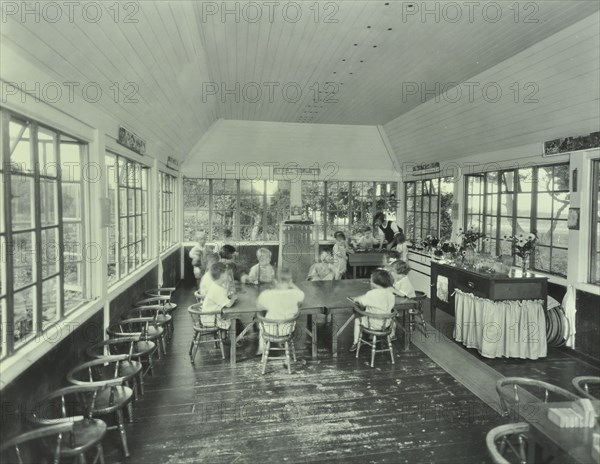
(478, 286)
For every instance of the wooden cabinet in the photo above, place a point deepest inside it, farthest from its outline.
(496, 287)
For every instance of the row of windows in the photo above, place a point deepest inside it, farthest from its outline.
(253, 210)
(47, 251)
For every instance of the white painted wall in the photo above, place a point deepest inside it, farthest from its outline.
(235, 149)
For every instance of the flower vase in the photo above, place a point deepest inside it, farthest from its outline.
(524, 264)
(470, 257)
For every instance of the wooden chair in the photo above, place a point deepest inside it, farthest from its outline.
(582, 386)
(281, 332)
(416, 312)
(137, 349)
(375, 325)
(15, 449)
(143, 327)
(111, 370)
(203, 332)
(163, 291)
(508, 392)
(503, 438)
(156, 312)
(73, 405)
(162, 300)
(199, 298)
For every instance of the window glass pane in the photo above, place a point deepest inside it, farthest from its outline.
(544, 230)
(545, 176)
(525, 180)
(71, 200)
(71, 162)
(50, 301)
(24, 310)
(542, 258)
(23, 203)
(595, 224)
(524, 205)
(559, 261)
(560, 235)
(23, 259)
(51, 252)
(21, 156)
(73, 286)
(47, 153)
(48, 202)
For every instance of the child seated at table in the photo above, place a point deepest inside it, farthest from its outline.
(363, 239)
(379, 300)
(402, 284)
(262, 272)
(207, 279)
(227, 255)
(217, 297)
(281, 302)
(399, 244)
(324, 269)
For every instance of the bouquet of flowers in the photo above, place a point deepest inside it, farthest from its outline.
(430, 243)
(470, 238)
(523, 246)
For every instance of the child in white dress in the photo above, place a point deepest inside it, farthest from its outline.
(323, 270)
(380, 300)
(340, 254)
(262, 272)
(217, 297)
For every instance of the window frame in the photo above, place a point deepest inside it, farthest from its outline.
(36, 229)
(496, 218)
(141, 238)
(431, 212)
(594, 247)
(168, 190)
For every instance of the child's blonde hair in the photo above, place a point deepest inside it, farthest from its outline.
(263, 252)
(401, 267)
(284, 276)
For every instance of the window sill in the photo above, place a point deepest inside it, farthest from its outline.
(22, 359)
(588, 288)
(170, 250)
(121, 285)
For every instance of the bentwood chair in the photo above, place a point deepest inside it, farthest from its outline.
(156, 312)
(73, 405)
(582, 386)
(112, 399)
(512, 392)
(508, 437)
(198, 296)
(280, 332)
(375, 325)
(139, 350)
(163, 291)
(143, 327)
(37, 445)
(206, 330)
(162, 300)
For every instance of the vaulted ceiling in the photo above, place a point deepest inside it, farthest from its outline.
(344, 62)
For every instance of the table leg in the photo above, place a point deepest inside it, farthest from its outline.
(407, 332)
(232, 341)
(313, 320)
(335, 334)
(432, 313)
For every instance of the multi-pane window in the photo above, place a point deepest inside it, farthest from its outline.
(251, 210)
(595, 225)
(429, 208)
(41, 231)
(343, 205)
(521, 201)
(127, 183)
(167, 211)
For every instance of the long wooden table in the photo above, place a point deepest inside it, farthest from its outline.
(549, 437)
(320, 297)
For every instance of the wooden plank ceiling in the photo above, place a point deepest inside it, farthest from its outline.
(183, 56)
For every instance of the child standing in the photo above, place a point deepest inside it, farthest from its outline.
(340, 254)
(379, 300)
(197, 254)
(262, 272)
(281, 302)
(323, 270)
(217, 297)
